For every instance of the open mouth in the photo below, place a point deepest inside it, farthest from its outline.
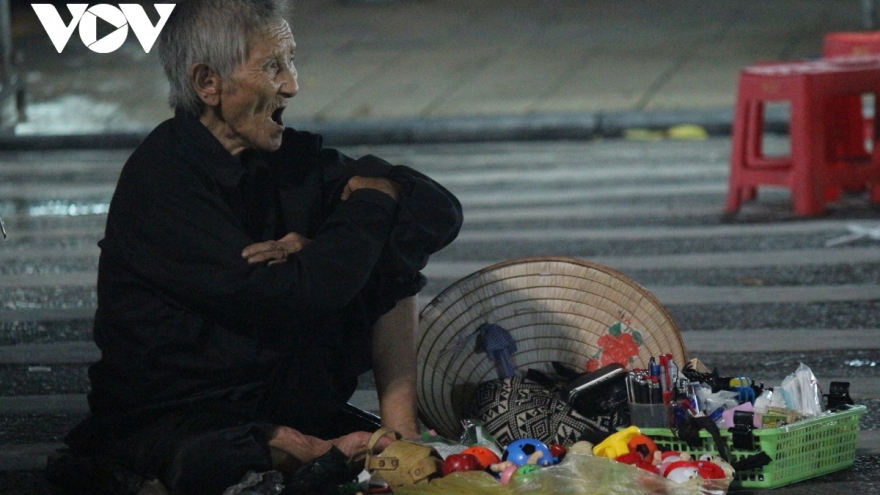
(276, 116)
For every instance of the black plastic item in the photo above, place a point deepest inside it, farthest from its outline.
(267, 483)
(598, 393)
(752, 462)
(838, 396)
(741, 432)
(689, 431)
(322, 476)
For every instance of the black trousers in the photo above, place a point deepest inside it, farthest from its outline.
(201, 453)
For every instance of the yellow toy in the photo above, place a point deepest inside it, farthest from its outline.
(616, 445)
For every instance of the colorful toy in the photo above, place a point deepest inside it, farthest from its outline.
(635, 459)
(710, 471)
(528, 451)
(681, 471)
(685, 471)
(507, 473)
(484, 455)
(525, 470)
(557, 451)
(460, 462)
(616, 444)
(643, 445)
(582, 447)
(729, 472)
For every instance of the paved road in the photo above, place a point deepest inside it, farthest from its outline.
(756, 294)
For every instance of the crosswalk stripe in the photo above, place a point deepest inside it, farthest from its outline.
(442, 268)
(53, 190)
(832, 227)
(47, 314)
(780, 339)
(684, 295)
(50, 353)
(59, 280)
(524, 155)
(530, 196)
(581, 212)
(36, 253)
(764, 295)
(560, 175)
(45, 404)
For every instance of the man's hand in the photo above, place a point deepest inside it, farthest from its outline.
(354, 445)
(386, 186)
(305, 448)
(275, 251)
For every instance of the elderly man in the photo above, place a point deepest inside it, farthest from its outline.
(248, 275)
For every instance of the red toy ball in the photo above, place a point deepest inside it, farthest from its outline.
(460, 462)
(484, 455)
(557, 451)
(710, 470)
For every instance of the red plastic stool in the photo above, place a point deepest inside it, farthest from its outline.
(812, 176)
(851, 43)
(845, 120)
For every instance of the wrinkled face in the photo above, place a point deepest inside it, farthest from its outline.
(254, 98)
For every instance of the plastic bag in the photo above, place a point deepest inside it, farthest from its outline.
(459, 483)
(475, 434)
(800, 390)
(576, 474)
(267, 483)
(441, 445)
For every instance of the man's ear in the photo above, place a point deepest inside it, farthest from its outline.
(206, 83)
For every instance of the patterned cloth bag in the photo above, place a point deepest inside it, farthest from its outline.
(515, 408)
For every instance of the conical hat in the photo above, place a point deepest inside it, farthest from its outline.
(560, 309)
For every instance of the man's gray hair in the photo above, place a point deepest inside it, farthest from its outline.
(215, 33)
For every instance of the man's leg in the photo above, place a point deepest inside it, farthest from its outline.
(191, 453)
(394, 365)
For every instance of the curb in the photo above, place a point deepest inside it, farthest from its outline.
(526, 127)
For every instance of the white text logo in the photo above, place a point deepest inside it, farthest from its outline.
(127, 14)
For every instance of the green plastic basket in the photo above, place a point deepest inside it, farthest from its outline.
(801, 450)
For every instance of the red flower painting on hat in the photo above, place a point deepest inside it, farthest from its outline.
(619, 345)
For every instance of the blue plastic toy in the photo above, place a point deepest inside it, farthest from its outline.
(520, 451)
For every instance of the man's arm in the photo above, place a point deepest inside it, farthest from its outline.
(278, 251)
(394, 365)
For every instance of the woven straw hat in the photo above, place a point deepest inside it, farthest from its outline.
(556, 309)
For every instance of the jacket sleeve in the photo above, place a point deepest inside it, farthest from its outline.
(428, 218)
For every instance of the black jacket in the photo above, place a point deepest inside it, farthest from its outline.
(184, 322)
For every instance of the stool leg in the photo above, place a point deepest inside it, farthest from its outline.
(845, 127)
(735, 189)
(754, 132)
(875, 193)
(874, 136)
(808, 154)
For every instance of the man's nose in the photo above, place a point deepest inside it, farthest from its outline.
(289, 85)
